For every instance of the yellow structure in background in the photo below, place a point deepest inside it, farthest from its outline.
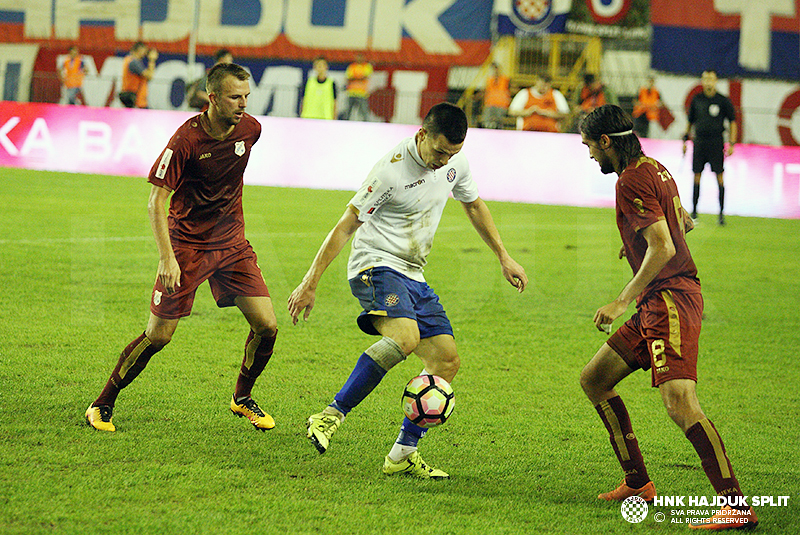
(566, 58)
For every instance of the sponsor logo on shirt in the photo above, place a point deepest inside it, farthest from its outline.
(415, 184)
(451, 174)
(164, 163)
(713, 110)
(384, 197)
(238, 148)
(204, 156)
(372, 184)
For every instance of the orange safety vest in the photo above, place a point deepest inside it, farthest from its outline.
(134, 82)
(496, 93)
(648, 103)
(73, 72)
(592, 99)
(537, 122)
(358, 79)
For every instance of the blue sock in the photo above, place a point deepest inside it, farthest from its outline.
(363, 379)
(410, 433)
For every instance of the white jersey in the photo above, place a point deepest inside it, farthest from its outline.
(400, 205)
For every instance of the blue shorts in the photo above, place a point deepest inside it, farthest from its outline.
(383, 291)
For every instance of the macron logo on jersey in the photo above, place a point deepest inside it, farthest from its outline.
(164, 163)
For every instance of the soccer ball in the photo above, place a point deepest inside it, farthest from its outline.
(428, 400)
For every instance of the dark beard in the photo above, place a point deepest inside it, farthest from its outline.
(607, 167)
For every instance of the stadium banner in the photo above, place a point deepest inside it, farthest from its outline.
(512, 17)
(627, 19)
(736, 38)
(409, 32)
(760, 181)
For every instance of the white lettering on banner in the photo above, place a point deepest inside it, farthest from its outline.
(381, 21)
(38, 139)
(4, 141)
(125, 14)
(755, 32)
(36, 14)
(265, 31)
(421, 21)
(132, 143)
(791, 168)
(352, 35)
(280, 84)
(409, 84)
(94, 140)
(159, 88)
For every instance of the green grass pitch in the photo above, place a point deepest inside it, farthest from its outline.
(526, 451)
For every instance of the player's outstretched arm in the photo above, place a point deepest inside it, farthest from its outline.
(303, 297)
(482, 220)
(660, 249)
(169, 272)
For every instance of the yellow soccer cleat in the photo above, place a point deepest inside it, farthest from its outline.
(100, 418)
(619, 494)
(729, 518)
(413, 466)
(250, 409)
(322, 426)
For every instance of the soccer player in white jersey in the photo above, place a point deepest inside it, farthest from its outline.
(394, 216)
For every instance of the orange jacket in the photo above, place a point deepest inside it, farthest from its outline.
(358, 79)
(496, 94)
(648, 103)
(73, 72)
(591, 99)
(537, 122)
(134, 82)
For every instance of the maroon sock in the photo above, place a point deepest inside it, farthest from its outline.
(131, 362)
(257, 352)
(626, 447)
(713, 457)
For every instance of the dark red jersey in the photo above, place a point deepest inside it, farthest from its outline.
(206, 177)
(646, 193)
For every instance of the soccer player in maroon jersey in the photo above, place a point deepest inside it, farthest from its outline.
(201, 239)
(663, 334)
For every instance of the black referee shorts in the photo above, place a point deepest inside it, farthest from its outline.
(708, 150)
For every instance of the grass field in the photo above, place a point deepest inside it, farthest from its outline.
(526, 452)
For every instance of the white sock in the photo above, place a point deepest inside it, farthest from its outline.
(400, 452)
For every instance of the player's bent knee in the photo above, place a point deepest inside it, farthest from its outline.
(588, 380)
(266, 329)
(159, 339)
(386, 353)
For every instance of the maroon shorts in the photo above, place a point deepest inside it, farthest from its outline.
(230, 272)
(662, 336)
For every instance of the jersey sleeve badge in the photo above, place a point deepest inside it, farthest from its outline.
(238, 148)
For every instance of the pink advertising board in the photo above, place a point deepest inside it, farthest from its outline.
(525, 167)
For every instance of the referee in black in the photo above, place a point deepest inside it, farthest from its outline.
(707, 113)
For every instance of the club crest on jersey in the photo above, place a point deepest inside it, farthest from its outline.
(238, 148)
(451, 174)
(392, 300)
